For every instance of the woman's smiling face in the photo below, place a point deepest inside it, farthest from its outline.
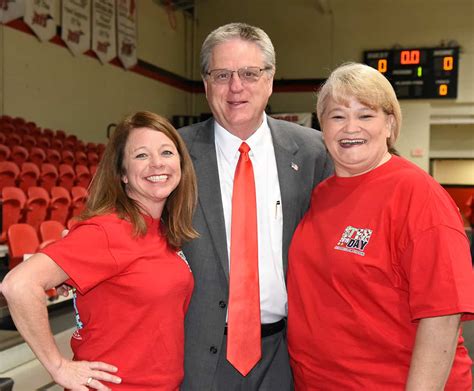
(152, 169)
(356, 136)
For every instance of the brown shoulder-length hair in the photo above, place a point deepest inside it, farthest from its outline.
(107, 191)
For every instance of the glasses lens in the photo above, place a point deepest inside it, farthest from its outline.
(249, 74)
(221, 75)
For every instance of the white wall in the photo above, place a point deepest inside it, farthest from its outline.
(45, 83)
(311, 37)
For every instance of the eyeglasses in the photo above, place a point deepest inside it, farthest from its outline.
(246, 74)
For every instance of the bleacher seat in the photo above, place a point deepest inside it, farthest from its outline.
(83, 176)
(18, 121)
(67, 176)
(50, 231)
(29, 175)
(91, 147)
(19, 155)
(3, 138)
(92, 158)
(59, 204)
(37, 206)
(48, 176)
(22, 130)
(29, 142)
(53, 157)
(7, 128)
(80, 146)
(78, 199)
(93, 170)
(67, 157)
(9, 172)
(81, 158)
(61, 134)
(13, 139)
(13, 199)
(57, 144)
(43, 142)
(37, 156)
(4, 152)
(22, 239)
(48, 133)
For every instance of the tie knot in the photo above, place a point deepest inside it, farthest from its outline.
(244, 148)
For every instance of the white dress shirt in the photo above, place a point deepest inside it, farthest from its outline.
(273, 297)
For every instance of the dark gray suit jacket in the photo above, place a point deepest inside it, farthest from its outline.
(302, 162)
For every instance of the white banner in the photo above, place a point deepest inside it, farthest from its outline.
(11, 10)
(103, 30)
(127, 32)
(39, 15)
(76, 25)
(303, 119)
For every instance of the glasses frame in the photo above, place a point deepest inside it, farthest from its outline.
(238, 71)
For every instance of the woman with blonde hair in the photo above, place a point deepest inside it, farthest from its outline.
(379, 273)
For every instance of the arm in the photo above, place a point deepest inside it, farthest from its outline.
(433, 353)
(23, 288)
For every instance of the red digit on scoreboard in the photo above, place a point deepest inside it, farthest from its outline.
(448, 63)
(409, 57)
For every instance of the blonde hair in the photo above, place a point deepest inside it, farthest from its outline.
(107, 191)
(368, 86)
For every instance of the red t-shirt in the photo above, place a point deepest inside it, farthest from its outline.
(374, 254)
(132, 296)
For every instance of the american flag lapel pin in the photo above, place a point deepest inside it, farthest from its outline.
(294, 166)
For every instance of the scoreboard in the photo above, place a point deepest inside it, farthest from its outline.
(420, 73)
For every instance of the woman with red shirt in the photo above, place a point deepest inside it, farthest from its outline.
(132, 283)
(379, 273)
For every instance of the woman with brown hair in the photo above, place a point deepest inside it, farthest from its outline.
(132, 283)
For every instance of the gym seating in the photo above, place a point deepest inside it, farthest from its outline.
(67, 157)
(22, 239)
(67, 176)
(53, 157)
(37, 156)
(59, 204)
(37, 205)
(19, 155)
(4, 152)
(13, 200)
(50, 231)
(81, 157)
(48, 176)
(78, 200)
(9, 172)
(29, 175)
(83, 176)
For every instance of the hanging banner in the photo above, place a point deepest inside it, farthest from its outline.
(76, 25)
(103, 30)
(39, 15)
(303, 119)
(127, 32)
(11, 10)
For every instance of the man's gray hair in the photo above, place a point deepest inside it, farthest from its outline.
(241, 31)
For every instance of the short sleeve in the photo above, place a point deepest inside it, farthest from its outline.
(84, 255)
(440, 276)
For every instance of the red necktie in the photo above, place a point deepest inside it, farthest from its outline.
(243, 323)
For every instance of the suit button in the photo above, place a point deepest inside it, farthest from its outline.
(222, 304)
(213, 349)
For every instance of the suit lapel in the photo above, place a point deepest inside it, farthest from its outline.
(203, 153)
(288, 164)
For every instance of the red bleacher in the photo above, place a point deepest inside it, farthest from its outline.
(44, 176)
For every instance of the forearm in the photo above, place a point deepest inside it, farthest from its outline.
(433, 353)
(27, 305)
(24, 289)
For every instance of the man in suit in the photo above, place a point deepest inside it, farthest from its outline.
(237, 67)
